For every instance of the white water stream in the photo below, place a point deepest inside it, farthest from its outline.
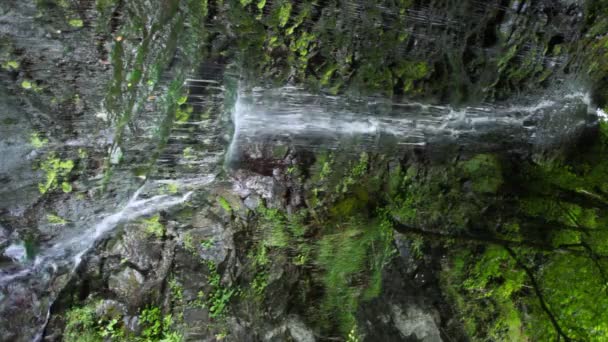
(71, 248)
(316, 120)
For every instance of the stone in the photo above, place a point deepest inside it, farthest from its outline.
(252, 202)
(131, 323)
(416, 322)
(299, 331)
(126, 284)
(110, 308)
(208, 229)
(4, 235)
(16, 252)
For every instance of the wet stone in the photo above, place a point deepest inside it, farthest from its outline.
(110, 308)
(416, 322)
(126, 284)
(252, 202)
(299, 331)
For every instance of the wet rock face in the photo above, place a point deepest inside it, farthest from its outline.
(219, 266)
(56, 77)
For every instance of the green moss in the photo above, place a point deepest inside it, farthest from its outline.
(485, 172)
(410, 72)
(172, 188)
(486, 292)
(347, 207)
(279, 151)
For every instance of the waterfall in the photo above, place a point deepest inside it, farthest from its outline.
(308, 120)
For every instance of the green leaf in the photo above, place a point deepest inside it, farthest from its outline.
(182, 100)
(66, 187)
(284, 13)
(76, 22)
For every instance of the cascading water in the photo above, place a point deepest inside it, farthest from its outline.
(297, 117)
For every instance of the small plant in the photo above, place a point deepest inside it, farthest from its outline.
(189, 243)
(300, 260)
(417, 246)
(152, 226)
(284, 13)
(207, 243)
(110, 329)
(151, 319)
(56, 170)
(222, 335)
(55, 219)
(219, 301)
(260, 256)
(157, 327)
(259, 284)
(200, 302)
(220, 296)
(26, 85)
(83, 325)
(224, 204)
(76, 23)
(325, 171)
(172, 188)
(80, 325)
(173, 336)
(38, 142)
(352, 335)
(82, 153)
(29, 85)
(11, 65)
(189, 153)
(177, 291)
